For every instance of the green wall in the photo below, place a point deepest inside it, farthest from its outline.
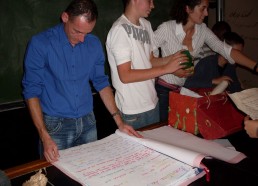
(20, 19)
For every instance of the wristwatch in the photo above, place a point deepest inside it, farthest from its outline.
(116, 113)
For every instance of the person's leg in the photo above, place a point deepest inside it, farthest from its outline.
(163, 95)
(57, 131)
(63, 131)
(152, 116)
(86, 129)
(69, 132)
(142, 119)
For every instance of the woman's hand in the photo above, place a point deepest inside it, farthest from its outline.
(251, 127)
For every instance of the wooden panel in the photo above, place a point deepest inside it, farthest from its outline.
(26, 168)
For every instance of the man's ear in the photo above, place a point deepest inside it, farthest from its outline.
(64, 17)
(188, 10)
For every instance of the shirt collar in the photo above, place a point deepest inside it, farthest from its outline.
(180, 30)
(63, 37)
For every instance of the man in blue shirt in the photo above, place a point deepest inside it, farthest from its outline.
(60, 63)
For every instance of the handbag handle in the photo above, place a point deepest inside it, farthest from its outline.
(209, 100)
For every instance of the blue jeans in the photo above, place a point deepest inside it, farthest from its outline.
(143, 119)
(69, 132)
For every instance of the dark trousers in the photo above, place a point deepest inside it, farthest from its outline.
(163, 95)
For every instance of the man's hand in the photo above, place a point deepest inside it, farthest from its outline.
(50, 150)
(129, 130)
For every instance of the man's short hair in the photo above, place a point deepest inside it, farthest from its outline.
(87, 8)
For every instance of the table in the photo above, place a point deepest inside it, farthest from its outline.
(221, 173)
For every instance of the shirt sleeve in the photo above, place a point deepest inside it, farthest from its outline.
(33, 69)
(160, 35)
(120, 46)
(98, 77)
(218, 46)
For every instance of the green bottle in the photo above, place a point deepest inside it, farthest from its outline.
(189, 64)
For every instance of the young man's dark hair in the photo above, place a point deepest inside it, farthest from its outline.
(233, 38)
(125, 3)
(220, 28)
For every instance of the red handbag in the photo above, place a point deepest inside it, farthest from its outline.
(213, 116)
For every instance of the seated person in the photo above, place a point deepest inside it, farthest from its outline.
(213, 69)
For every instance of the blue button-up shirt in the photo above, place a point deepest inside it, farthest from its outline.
(60, 74)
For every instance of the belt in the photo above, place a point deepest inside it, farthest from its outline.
(168, 85)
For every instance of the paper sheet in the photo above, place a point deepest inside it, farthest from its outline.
(119, 161)
(187, 92)
(187, 156)
(225, 143)
(124, 160)
(247, 101)
(191, 142)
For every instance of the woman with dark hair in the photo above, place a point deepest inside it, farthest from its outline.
(187, 31)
